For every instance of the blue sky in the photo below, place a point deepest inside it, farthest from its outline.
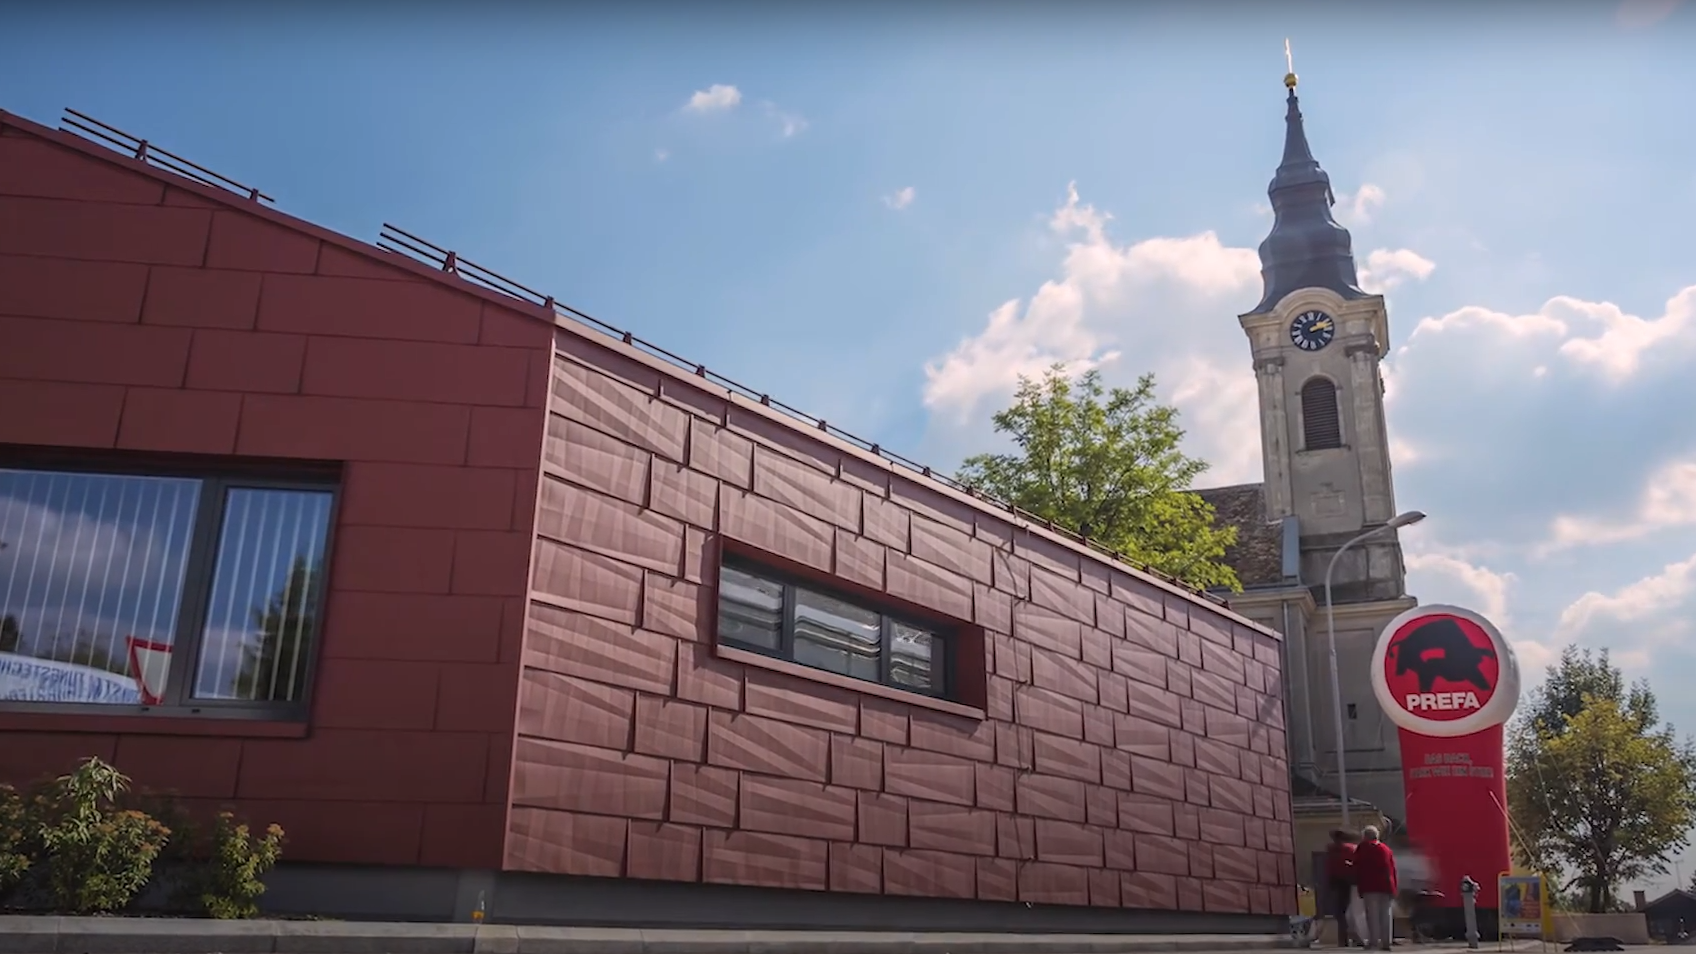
(1518, 178)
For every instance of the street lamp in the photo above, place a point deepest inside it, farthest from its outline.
(1400, 520)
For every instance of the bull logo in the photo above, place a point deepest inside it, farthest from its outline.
(1440, 649)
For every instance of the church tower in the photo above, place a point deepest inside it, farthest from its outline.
(1317, 341)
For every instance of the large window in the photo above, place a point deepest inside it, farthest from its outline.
(764, 612)
(159, 589)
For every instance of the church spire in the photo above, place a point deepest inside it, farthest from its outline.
(1306, 248)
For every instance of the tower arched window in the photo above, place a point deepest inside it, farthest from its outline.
(1321, 418)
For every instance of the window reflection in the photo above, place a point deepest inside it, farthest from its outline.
(910, 659)
(265, 585)
(837, 636)
(91, 582)
(750, 609)
(826, 632)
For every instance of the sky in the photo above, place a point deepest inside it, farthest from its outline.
(884, 213)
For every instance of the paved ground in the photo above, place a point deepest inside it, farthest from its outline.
(49, 935)
(46, 935)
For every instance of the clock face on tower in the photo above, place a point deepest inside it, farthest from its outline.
(1312, 330)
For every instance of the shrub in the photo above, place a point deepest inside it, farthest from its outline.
(14, 839)
(85, 843)
(96, 855)
(231, 885)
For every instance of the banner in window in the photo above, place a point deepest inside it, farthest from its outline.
(28, 679)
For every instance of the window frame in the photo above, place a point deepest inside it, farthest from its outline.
(216, 477)
(944, 635)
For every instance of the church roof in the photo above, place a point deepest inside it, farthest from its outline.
(1258, 554)
(1306, 247)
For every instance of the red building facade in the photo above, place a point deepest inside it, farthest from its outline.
(472, 599)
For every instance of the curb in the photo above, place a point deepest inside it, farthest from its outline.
(52, 935)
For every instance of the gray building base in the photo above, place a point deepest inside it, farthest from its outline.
(439, 894)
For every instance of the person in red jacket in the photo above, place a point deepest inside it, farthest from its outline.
(1339, 882)
(1375, 875)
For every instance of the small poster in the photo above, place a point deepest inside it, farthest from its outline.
(1522, 912)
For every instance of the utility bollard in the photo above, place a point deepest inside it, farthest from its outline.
(1469, 903)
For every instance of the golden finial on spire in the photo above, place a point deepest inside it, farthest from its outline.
(1289, 65)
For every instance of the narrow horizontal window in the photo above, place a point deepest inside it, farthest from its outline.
(763, 611)
(159, 590)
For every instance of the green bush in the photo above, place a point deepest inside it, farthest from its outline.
(96, 855)
(231, 886)
(83, 843)
(14, 843)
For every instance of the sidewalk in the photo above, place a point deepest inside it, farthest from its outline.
(48, 935)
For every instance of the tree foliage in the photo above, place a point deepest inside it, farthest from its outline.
(1106, 464)
(1580, 674)
(1597, 787)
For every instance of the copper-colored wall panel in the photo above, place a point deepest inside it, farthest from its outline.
(153, 315)
(1130, 751)
(769, 861)
(662, 852)
(856, 868)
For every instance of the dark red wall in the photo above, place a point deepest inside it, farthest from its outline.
(1128, 750)
(140, 312)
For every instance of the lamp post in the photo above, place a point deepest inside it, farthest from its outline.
(1399, 521)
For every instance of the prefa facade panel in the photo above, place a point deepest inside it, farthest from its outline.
(1126, 748)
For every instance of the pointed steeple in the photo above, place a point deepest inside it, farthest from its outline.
(1306, 248)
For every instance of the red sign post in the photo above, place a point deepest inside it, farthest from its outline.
(1448, 680)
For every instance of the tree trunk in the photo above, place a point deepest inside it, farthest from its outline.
(1595, 890)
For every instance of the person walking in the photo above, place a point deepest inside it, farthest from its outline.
(1339, 882)
(1375, 874)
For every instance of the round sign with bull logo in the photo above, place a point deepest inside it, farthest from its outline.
(1444, 671)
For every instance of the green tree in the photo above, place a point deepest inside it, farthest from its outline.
(1106, 464)
(1597, 787)
(1580, 674)
(275, 667)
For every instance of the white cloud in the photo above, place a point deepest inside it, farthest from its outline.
(1357, 208)
(1668, 501)
(1219, 399)
(715, 98)
(1386, 268)
(1598, 337)
(1107, 295)
(1635, 602)
(788, 123)
(1474, 316)
(900, 199)
(1617, 351)
(661, 155)
(1489, 587)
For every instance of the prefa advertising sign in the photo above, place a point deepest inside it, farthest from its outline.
(1448, 680)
